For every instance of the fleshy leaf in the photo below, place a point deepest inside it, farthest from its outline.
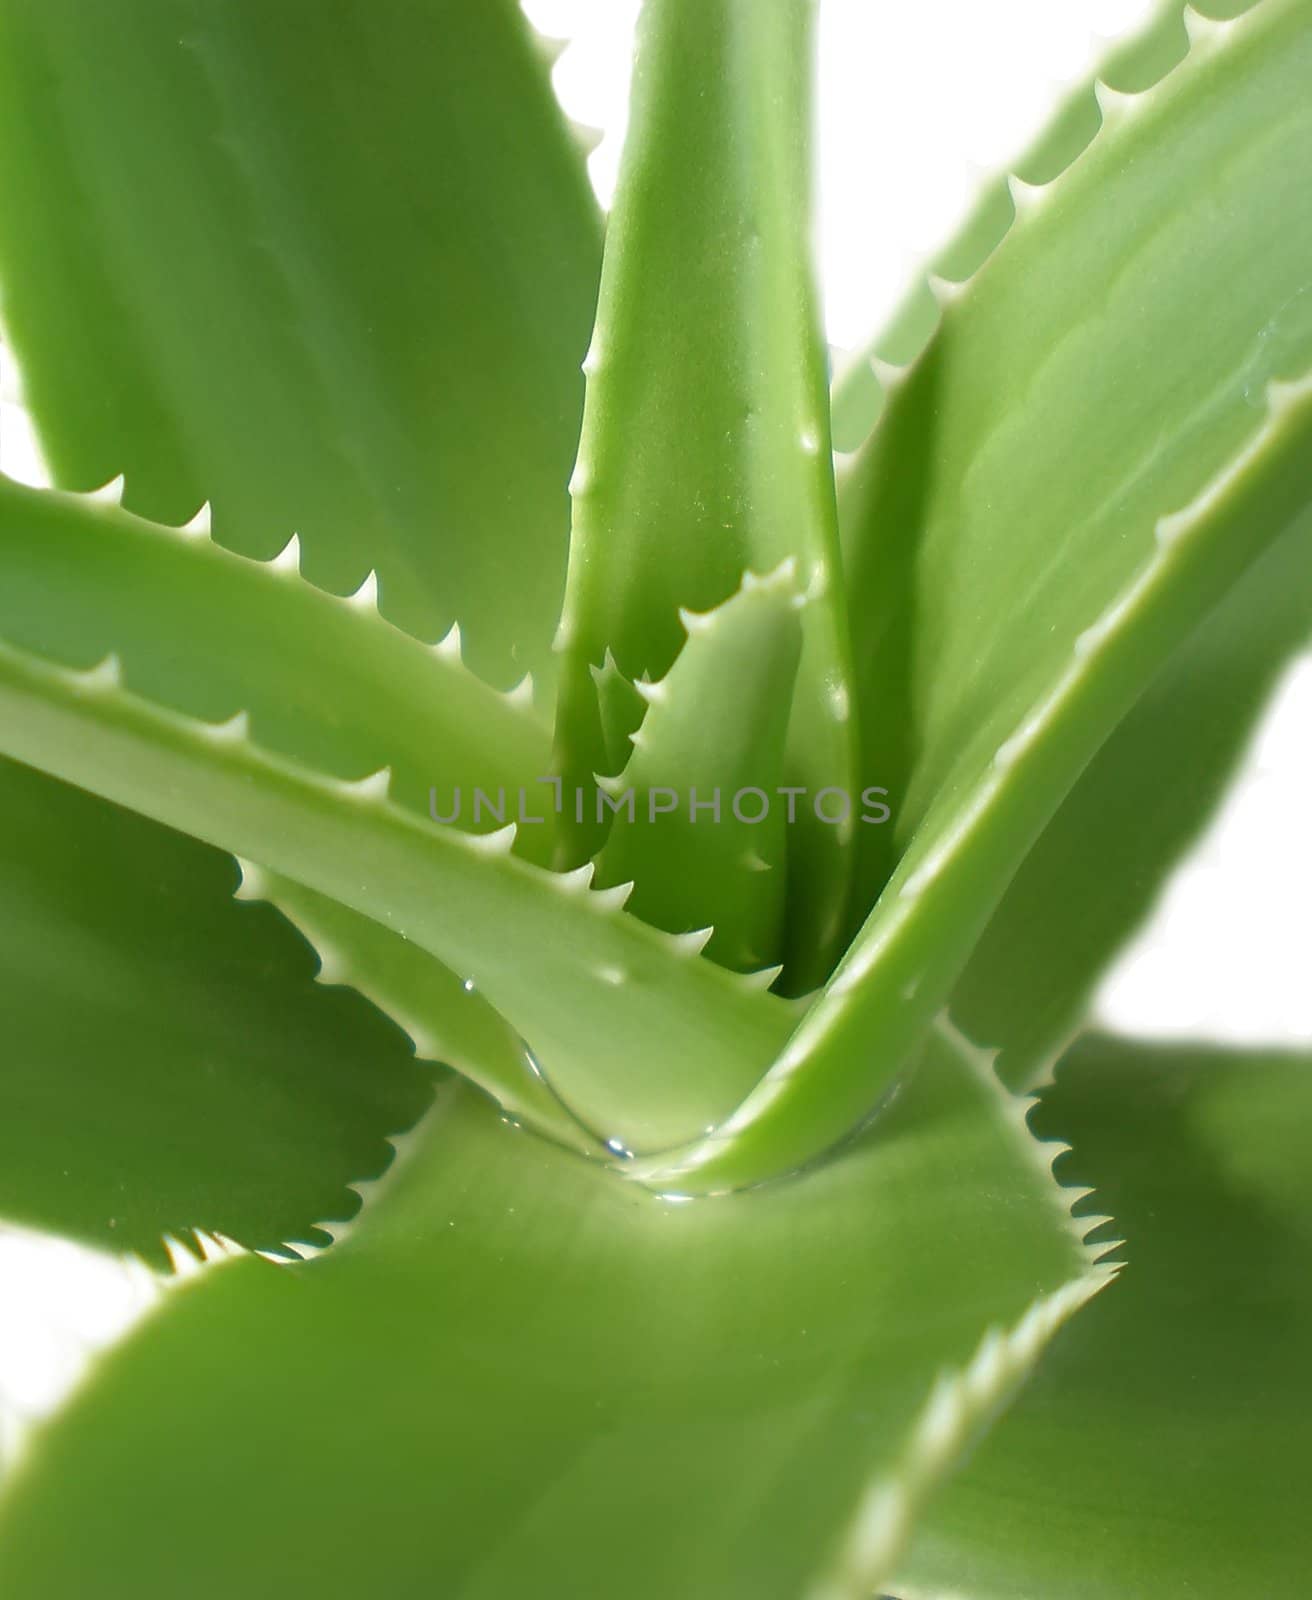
(446, 1018)
(330, 268)
(705, 445)
(1013, 610)
(316, 677)
(1161, 1447)
(167, 1062)
(1101, 860)
(558, 1377)
(713, 738)
(643, 1039)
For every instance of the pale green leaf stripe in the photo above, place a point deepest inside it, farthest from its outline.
(321, 679)
(713, 739)
(166, 1062)
(1100, 862)
(330, 266)
(570, 1385)
(853, 1042)
(1161, 1448)
(643, 1039)
(705, 444)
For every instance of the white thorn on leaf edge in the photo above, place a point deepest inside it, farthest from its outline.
(375, 787)
(945, 291)
(448, 646)
(521, 695)
(253, 884)
(499, 843)
(1025, 197)
(578, 880)
(201, 526)
(1114, 105)
(365, 598)
(1206, 30)
(111, 493)
(288, 558)
(889, 374)
(612, 899)
(105, 676)
(693, 942)
(235, 730)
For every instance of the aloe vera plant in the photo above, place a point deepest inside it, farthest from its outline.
(678, 811)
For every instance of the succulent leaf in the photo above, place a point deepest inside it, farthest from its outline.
(168, 1063)
(331, 269)
(446, 1018)
(705, 445)
(644, 1040)
(989, 676)
(1142, 800)
(693, 1395)
(713, 739)
(321, 679)
(1184, 1388)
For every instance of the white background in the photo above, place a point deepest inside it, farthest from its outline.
(918, 98)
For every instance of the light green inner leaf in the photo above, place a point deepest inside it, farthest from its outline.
(705, 444)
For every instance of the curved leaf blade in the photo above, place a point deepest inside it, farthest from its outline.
(167, 1063)
(539, 1365)
(705, 444)
(643, 1039)
(1161, 1444)
(331, 267)
(321, 679)
(994, 671)
(699, 831)
(1099, 863)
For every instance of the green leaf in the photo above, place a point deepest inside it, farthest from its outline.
(446, 1019)
(329, 266)
(323, 680)
(713, 737)
(167, 1063)
(518, 1373)
(1161, 1447)
(644, 1040)
(705, 445)
(1142, 800)
(1011, 609)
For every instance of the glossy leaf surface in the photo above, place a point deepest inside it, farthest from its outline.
(558, 1377)
(331, 267)
(991, 676)
(166, 1062)
(705, 445)
(1160, 1449)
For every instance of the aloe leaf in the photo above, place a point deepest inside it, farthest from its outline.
(643, 1039)
(964, 527)
(332, 270)
(1100, 862)
(447, 1020)
(698, 830)
(705, 444)
(322, 679)
(1160, 1448)
(168, 1064)
(688, 1394)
